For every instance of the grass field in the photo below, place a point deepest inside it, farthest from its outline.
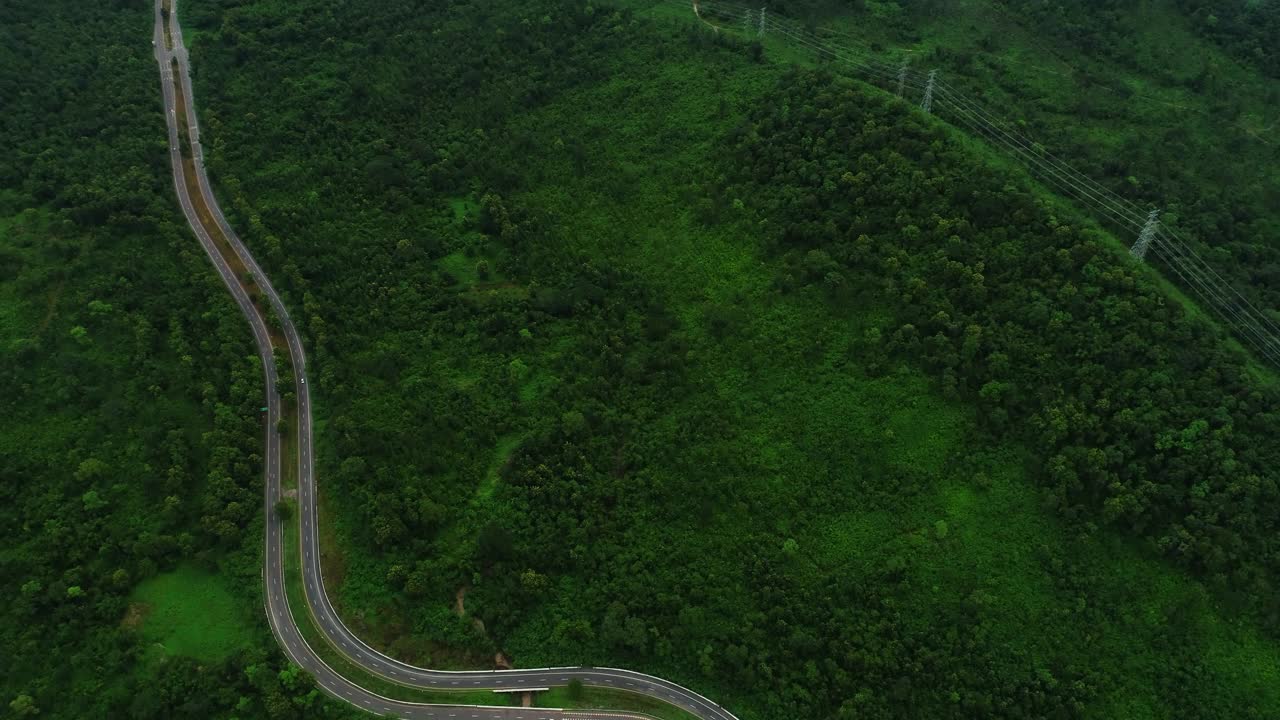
(191, 612)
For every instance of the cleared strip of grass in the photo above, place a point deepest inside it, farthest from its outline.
(168, 37)
(191, 612)
(288, 448)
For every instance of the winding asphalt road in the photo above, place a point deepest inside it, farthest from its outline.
(325, 617)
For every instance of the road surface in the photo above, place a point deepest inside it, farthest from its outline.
(325, 617)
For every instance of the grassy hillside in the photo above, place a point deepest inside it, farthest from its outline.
(1157, 101)
(640, 350)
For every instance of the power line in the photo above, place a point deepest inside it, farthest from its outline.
(1013, 132)
(927, 103)
(1185, 247)
(878, 68)
(1254, 327)
(1213, 294)
(1139, 249)
(1078, 76)
(858, 63)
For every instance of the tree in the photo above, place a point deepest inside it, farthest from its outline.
(573, 422)
(575, 689)
(91, 469)
(92, 501)
(534, 582)
(24, 706)
(517, 371)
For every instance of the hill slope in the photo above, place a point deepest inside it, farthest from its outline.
(673, 359)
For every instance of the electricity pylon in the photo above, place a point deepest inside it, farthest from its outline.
(927, 103)
(1139, 249)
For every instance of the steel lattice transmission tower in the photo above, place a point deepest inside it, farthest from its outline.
(927, 103)
(902, 76)
(1139, 249)
(760, 28)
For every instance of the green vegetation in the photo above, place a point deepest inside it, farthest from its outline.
(129, 396)
(572, 696)
(191, 612)
(1246, 30)
(339, 663)
(1163, 102)
(634, 347)
(662, 356)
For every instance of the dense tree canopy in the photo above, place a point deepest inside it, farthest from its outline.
(129, 393)
(534, 406)
(1141, 417)
(1169, 105)
(633, 348)
(1247, 30)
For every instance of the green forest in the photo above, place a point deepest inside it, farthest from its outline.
(1170, 103)
(130, 485)
(639, 345)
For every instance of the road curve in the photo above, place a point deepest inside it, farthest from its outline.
(326, 618)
